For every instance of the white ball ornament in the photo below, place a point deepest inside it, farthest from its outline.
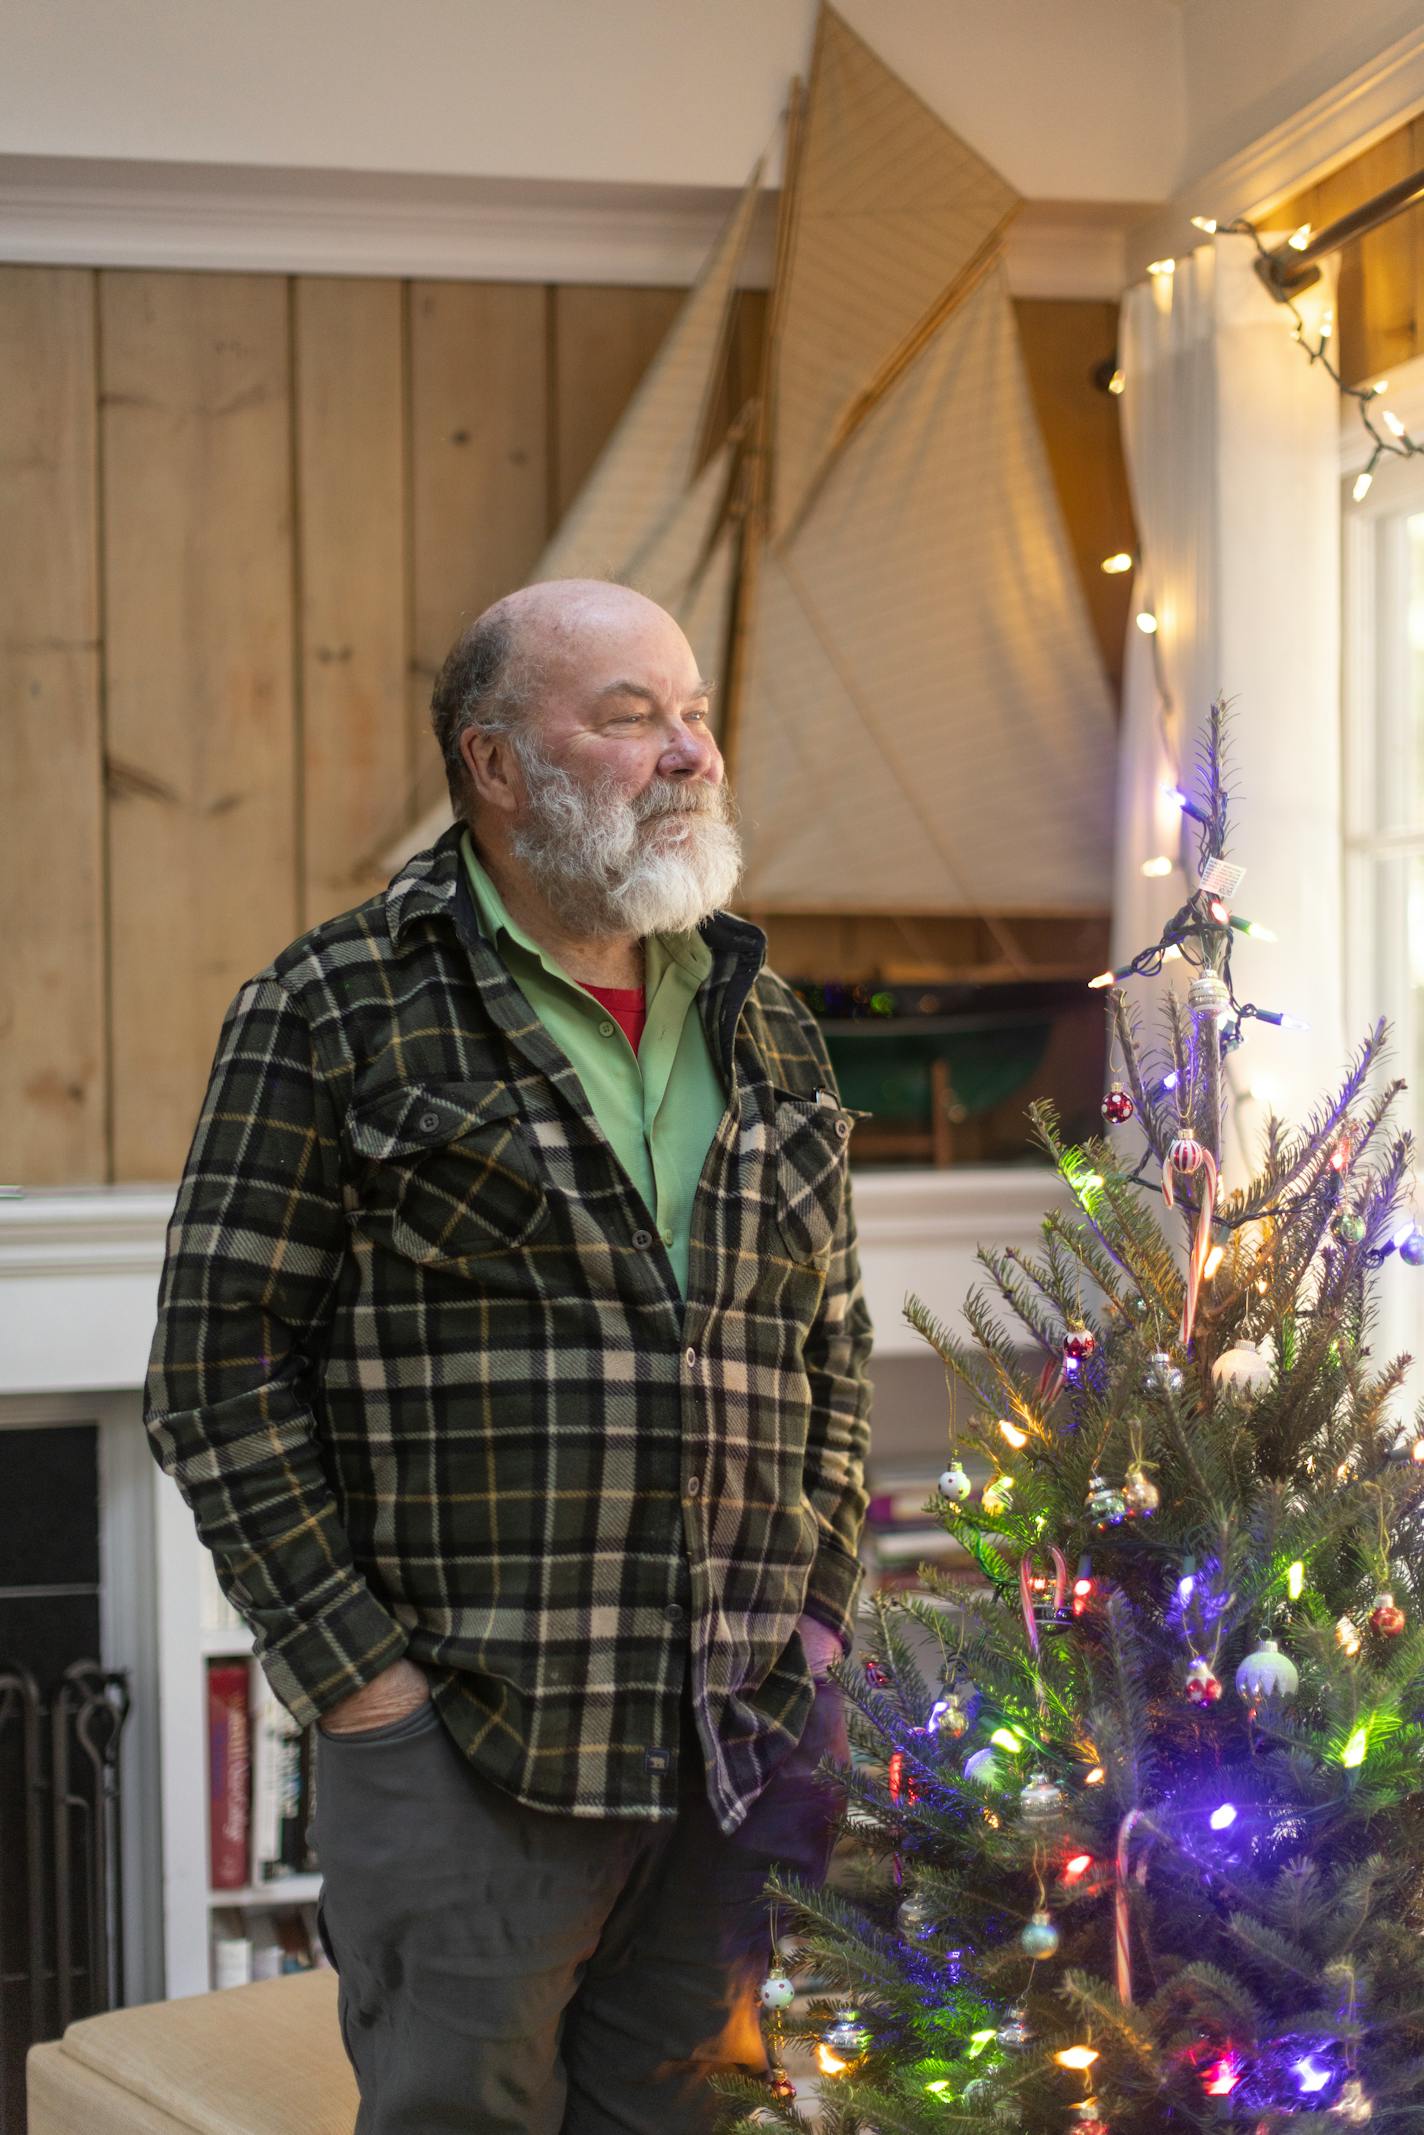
(1267, 1673)
(955, 1484)
(778, 1991)
(1244, 1367)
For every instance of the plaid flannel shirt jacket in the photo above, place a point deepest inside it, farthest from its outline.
(424, 1376)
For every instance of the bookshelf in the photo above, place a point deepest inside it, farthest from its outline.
(187, 1594)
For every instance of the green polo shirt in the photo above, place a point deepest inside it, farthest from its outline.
(659, 1107)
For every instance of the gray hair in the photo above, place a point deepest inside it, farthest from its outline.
(489, 680)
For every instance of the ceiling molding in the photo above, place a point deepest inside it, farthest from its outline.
(1330, 130)
(96, 212)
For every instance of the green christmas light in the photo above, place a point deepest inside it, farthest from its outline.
(1295, 1580)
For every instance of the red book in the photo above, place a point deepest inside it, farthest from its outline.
(229, 1774)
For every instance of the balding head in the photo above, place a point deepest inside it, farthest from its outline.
(531, 646)
(578, 743)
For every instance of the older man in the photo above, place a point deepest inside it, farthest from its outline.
(511, 1356)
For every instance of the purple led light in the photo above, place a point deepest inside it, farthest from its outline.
(1310, 2078)
(1223, 1818)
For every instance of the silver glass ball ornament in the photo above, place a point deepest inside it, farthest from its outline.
(846, 2034)
(955, 1484)
(1267, 1673)
(1014, 2034)
(1040, 1801)
(1162, 1375)
(1411, 1249)
(1040, 1937)
(1106, 1505)
(916, 1918)
(1209, 995)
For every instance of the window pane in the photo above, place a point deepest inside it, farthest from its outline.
(1399, 966)
(1412, 772)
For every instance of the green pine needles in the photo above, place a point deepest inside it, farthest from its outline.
(1137, 1816)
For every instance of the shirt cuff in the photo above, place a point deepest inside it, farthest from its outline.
(315, 1665)
(831, 1592)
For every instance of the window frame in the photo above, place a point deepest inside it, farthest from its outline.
(1375, 698)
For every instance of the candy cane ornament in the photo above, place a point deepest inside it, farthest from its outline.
(1060, 1590)
(1121, 1923)
(1190, 1156)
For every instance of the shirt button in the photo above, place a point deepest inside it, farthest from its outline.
(667, 1237)
(689, 1357)
(428, 1122)
(843, 1128)
(642, 1238)
(606, 1029)
(694, 1484)
(674, 1612)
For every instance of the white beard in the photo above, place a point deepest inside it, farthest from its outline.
(608, 866)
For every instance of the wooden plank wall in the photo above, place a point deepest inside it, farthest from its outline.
(242, 518)
(53, 980)
(1380, 294)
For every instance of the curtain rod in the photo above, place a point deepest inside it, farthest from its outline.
(1287, 270)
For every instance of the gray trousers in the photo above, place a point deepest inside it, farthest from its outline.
(512, 1971)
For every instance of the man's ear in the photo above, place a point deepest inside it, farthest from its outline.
(489, 766)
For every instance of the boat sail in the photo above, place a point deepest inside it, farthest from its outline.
(916, 717)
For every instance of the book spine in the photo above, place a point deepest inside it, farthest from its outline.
(229, 1774)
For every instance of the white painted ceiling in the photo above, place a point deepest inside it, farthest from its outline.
(1085, 100)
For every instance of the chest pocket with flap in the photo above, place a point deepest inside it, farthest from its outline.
(444, 1170)
(812, 1145)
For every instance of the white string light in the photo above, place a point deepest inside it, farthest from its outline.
(1398, 442)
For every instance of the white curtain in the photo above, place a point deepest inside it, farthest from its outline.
(1232, 442)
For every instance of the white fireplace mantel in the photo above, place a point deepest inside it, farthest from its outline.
(79, 1266)
(79, 1275)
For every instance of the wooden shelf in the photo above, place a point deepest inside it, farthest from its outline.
(291, 1890)
(222, 1645)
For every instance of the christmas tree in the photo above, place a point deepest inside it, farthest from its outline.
(1137, 1814)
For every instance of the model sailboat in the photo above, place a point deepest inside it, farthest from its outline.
(912, 706)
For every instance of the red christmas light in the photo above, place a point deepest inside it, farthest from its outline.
(1220, 2079)
(900, 1782)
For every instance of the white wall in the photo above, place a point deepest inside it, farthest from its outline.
(1091, 101)
(1250, 64)
(1075, 101)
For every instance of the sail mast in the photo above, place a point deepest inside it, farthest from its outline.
(755, 503)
